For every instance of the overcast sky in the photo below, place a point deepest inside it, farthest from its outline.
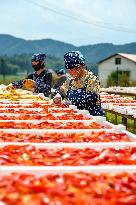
(80, 22)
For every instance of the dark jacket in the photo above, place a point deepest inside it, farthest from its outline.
(43, 82)
(60, 81)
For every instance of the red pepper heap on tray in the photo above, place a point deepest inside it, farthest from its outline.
(68, 189)
(101, 136)
(54, 125)
(32, 156)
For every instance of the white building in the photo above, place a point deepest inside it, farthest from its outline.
(117, 62)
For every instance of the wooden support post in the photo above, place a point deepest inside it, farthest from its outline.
(116, 119)
(134, 123)
(124, 121)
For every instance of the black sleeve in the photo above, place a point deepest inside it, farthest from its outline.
(30, 76)
(60, 82)
(47, 84)
(17, 84)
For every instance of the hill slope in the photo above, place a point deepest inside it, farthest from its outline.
(10, 45)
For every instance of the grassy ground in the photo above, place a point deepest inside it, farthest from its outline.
(111, 118)
(10, 78)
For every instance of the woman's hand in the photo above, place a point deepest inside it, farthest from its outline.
(67, 102)
(9, 87)
(57, 99)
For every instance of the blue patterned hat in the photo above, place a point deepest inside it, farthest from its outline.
(60, 71)
(73, 59)
(38, 57)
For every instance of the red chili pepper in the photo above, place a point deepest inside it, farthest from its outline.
(30, 155)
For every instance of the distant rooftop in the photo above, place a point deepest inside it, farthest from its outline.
(131, 57)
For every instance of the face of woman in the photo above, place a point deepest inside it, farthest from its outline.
(75, 72)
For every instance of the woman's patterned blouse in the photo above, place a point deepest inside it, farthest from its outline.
(84, 93)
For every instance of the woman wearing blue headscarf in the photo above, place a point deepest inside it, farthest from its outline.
(83, 90)
(40, 80)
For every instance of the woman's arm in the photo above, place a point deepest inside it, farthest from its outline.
(19, 83)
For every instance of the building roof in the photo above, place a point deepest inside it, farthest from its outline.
(131, 57)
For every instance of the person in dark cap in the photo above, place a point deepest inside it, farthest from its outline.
(61, 71)
(61, 74)
(40, 80)
(83, 90)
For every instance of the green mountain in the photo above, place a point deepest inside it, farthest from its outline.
(10, 45)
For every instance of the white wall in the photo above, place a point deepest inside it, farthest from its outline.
(108, 66)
